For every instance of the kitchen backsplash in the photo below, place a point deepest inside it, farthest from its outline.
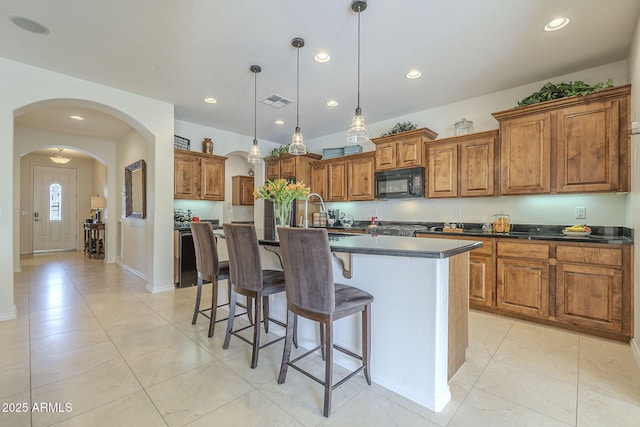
(601, 209)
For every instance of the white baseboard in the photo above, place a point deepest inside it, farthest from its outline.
(131, 269)
(636, 350)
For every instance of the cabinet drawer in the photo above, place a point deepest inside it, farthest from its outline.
(589, 255)
(523, 250)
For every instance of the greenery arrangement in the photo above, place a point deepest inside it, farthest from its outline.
(552, 91)
(399, 128)
(277, 152)
(282, 193)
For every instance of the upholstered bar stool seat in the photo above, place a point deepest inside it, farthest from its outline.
(209, 268)
(312, 294)
(249, 279)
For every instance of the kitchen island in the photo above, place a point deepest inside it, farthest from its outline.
(419, 323)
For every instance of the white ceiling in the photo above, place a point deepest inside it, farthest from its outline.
(184, 51)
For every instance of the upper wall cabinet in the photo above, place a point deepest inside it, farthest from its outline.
(198, 176)
(291, 167)
(570, 145)
(402, 150)
(347, 178)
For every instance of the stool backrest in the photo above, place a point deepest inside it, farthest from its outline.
(245, 265)
(308, 275)
(204, 242)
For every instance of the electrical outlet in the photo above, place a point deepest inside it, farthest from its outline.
(458, 213)
(581, 213)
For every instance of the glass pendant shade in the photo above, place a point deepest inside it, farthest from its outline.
(358, 132)
(255, 156)
(297, 146)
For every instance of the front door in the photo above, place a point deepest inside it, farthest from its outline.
(54, 208)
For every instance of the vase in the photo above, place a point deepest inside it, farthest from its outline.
(281, 216)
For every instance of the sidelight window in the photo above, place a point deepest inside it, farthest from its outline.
(55, 202)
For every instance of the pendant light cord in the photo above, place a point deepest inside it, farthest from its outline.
(255, 106)
(358, 59)
(298, 90)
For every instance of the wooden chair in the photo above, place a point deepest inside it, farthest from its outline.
(249, 279)
(209, 268)
(311, 293)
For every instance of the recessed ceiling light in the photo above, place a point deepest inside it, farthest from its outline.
(556, 24)
(210, 100)
(279, 122)
(332, 103)
(76, 117)
(321, 57)
(29, 25)
(413, 74)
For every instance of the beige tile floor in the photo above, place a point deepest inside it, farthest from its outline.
(89, 336)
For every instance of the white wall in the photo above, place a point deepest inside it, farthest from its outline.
(22, 88)
(602, 209)
(131, 148)
(633, 208)
(236, 165)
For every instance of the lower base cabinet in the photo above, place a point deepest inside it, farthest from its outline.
(584, 287)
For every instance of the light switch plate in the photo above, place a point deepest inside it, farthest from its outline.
(581, 213)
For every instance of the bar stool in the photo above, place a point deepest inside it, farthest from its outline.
(249, 279)
(312, 294)
(210, 268)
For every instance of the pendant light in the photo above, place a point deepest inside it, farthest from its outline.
(254, 155)
(358, 132)
(297, 146)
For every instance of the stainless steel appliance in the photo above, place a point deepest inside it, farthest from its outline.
(400, 183)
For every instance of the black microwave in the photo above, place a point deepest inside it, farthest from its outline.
(400, 183)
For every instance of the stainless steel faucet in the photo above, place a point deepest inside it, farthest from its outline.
(305, 221)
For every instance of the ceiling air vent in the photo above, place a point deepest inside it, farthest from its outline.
(276, 101)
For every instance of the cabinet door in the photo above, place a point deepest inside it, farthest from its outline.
(186, 177)
(272, 167)
(587, 148)
(481, 281)
(242, 191)
(361, 178)
(212, 179)
(523, 286)
(525, 155)
(319, 180)
(589, 296)
(409, 152)
(288, 167)
(386, 156)
(443, 170)
(477, 162)
(337, 181)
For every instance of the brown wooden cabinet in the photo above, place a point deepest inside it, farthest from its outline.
(198, 176)
(345, 178)
(461, 166)
(403, 150)
(590, 287)
(272, 168)
(576, 144)
(242, 190)
(481, 269)
(522, 273)
(361, 170)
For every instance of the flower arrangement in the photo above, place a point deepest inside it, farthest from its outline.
(282, 193)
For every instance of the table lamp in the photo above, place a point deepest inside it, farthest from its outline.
(98, 203)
